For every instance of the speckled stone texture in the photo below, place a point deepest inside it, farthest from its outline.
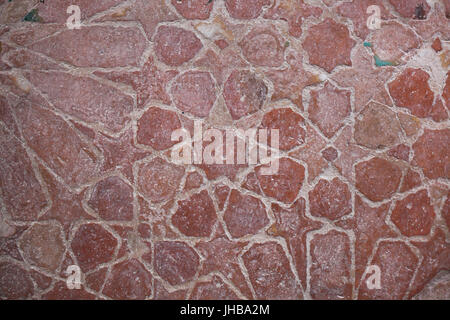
(86, 170)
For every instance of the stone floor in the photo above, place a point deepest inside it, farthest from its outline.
(87, 179)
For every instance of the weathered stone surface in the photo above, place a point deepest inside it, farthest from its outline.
(407, 8)
(20, 190)
(85, 98)
(285, 185)
(289, 124)
(129, 280)
(377, 127)
(61, 292)
(159, 180)
(293, 225)
(195, 216)
(392, 41)
(330, 199)
(263, 47)
(411, 180)
(71, 158)
(432, 153)
(328, 108)
(194, 92)
(245, 9)
(411, 90)
(437, 289)
(92, 246)
(244, 93)
(414, 215)
(330, 266)
(245, 215)
(328, 45)
(193, 9)
(95, 46)
(43, 246)
(175, 46)
(15, 283)
(377, 179)
(397, 264)
(112, 198)
(193, 180)
(294, 12)
(155, 128)
(215, 289)
(175, 262)
(400, 152)
(270, 272)
(330, 154)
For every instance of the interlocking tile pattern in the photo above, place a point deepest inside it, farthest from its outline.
(86, 176)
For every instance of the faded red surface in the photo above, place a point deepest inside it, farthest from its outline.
(87, 178)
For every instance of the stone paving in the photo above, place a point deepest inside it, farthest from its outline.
(86, 175)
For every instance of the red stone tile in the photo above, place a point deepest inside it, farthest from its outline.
(357, 12)
(263, 47)
(270, 273)
(195, 216)
(244, 93)
(407, 8)
(245, 9)
(414, 215)
(392, 41)
(176, 262)
(175, 46)
(397, 263)
(293, 225)
(221, 192)
(71, 158)
(330, 154)
(95, 46)
(377, 179)
(112, 198)
(328, 108)
(129, 280)
(437, 45)
(400, 152)
(161, 293)
(43, 246)
(330, 199)
(159, 180)
(220, 255)
(15, 283)
(245, 215)
(290, 126)
(214, 289)
(431, 153)
(23, 201)
(436, 23)
(436, 257)
(377, 127)
(411, 90)
(194, 180)
(85, 98)
(328, 45)
(149, 83)
(119, 153)
(330, 266)
(289, 82)
(193, 9)
(369, 226)
(285, 185)
(96, 279)
(366, 79)
(411, 180)
(61, 292)
(155, 128)
(92, 246)
(294, 12)
(194, 92)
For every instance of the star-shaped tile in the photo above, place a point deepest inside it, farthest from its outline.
(293, 225)
(119, 153)
(290, 82)
(369, 225)
(367, 80)
(149, 83)
(221, 255)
